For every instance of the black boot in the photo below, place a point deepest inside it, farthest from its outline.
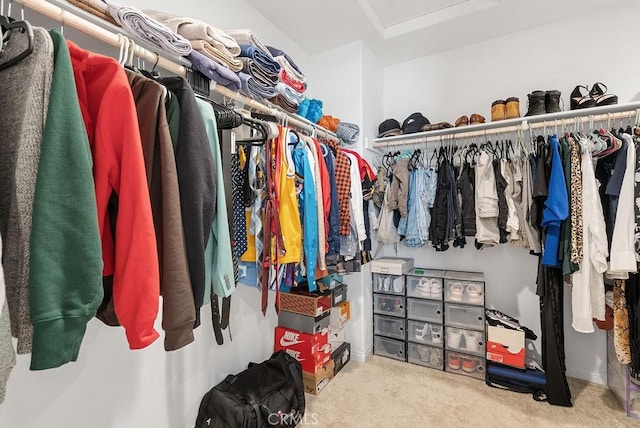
(536, 103)
(552, 101)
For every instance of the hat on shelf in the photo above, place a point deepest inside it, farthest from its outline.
(388, 128)
(414, 123)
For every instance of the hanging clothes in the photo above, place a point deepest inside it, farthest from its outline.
(7, 353)
(333, 236)
(466, 187)
(556, 207)
(289, 213)
(486, 197)
(343, 184)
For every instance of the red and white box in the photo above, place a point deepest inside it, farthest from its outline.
(311, 350)
(505, 346)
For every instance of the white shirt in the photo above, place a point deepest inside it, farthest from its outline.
(356, 197)
(623, 251)
(587, 293)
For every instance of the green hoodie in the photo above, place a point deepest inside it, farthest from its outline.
(65, 283)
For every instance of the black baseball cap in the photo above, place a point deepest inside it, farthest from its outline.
(414, 123)
(389, 128)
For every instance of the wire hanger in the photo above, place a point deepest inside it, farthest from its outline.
(8, 25)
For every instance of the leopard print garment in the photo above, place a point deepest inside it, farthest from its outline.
(621, 323)
(576, 203)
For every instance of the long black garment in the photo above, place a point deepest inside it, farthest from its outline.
(197, 182)
(440, 224)
(466, 187)
(632, 295)
(503, 209)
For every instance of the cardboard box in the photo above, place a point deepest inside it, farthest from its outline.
(506, 346)
(340, 314)
(312, 304)
(303, 323)
(310, 362)
(315, 382)
(337, 335)
(306, 343)
(338, 294)
(392, 265)
(340, 357)
(330, 281)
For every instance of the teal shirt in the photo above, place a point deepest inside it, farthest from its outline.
(218, 260)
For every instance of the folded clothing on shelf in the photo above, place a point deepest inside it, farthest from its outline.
(265, 76)
(205, 48)
(96, 8)
(247, 37)
(193, 29)
(292, 95)
(348, 132)
(288, 80)
(214, 71)
(329, 123)
(311, 109)
(282, 101)
(275, 52)
(262, 59)
(150, 30)
(254, 87)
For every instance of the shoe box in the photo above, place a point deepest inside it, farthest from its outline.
(285, 338)
(340, 356)
(303, 323)
(425, 355)
(506, 346)
(340, 314)
(337, 335)
(314, 382)
(312, 304)
(464, 287)
(331, 281)
(339, 294)
(392, 265)
(463, 364)
(425, 283)
(310, 363)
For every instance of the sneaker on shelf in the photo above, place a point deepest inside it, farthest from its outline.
(454, 336)
(472, 340)
(423, 354)
(474, 293)
(455, 291)
(469, 364)
(423, 287)
(398, 284)
(435, 358)
(421, 333)
(436, 289)
(387, 284)
(436, 334)
(454, 361)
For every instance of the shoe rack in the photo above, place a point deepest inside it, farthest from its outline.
(464, 323)
(425, 329)
(620, 381)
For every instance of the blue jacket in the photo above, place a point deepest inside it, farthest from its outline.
(556, 208)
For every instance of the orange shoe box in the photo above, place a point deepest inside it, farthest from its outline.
(340, 314)
(506, 346)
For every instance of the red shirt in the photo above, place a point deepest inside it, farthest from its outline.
(129, 252)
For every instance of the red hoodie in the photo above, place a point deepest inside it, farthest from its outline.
(111, 121)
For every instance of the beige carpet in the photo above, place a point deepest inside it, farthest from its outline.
(388, 393)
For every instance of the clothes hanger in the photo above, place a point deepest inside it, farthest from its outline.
(9, 25)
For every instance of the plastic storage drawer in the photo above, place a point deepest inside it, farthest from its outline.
(424, 310)
(388, 305)
(469, 341)
(467, 292)
(463, 316)
(467, 365)
(424, 287)
(425, 355)
(389, 326)
(388, 348)
(425, 333)
(391, 284)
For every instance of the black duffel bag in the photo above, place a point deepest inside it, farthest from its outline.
(269, 394)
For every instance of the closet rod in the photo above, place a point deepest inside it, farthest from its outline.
(551, 120)
(71, 19)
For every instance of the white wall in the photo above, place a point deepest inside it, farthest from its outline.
(466, 80)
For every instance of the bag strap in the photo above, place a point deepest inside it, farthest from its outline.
(290, 365)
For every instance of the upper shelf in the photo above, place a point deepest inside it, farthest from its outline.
(596, 114)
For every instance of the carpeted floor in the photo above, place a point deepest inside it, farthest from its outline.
(388, 393)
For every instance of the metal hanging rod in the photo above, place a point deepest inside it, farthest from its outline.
(551, 120)
(175, 65)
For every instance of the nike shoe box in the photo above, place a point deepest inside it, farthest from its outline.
(339, 294)
(303, 323)
(312, 304)
(315, 382)
(310, 362)
(506, 346)
(286, 338)
(341, 356)
(392, 265)
(340, 314)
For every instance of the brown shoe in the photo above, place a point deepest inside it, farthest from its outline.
(462, 121)
(498, 110)
(476, 119)
(513, 108)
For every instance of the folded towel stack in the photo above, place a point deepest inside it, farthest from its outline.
(265, 76)
(348, 132)
(139, 24)
(214, 46)
(255, 88)
(293, 96)
(95, 7)
(282, 101)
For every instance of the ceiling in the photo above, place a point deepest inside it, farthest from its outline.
(400, 30)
